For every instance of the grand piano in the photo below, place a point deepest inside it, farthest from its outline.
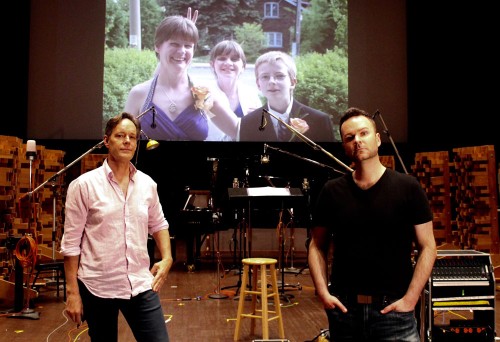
(197, 220)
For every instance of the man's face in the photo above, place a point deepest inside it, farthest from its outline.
(123, 141)
(360, 139)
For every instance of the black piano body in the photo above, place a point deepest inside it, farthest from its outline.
(196, 221)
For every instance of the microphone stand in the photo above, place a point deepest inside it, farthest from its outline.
(306, 190)
(53, 180)
(152, 108)
(27, 249)
(218, 294)
(307, 140)
(54, 176)
(31, 314)
(386, 131)
(215, 217)
(303, 158)
(96, 146)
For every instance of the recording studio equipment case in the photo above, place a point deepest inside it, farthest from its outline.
(460, 297)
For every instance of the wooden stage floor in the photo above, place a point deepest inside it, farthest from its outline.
(191, 313)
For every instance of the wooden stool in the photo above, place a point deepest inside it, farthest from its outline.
(262, 291)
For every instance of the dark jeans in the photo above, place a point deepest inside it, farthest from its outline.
(143, 313)
(364, 322)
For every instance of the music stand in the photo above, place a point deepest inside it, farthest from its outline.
(282, 197)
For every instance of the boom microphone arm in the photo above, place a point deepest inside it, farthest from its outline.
(386, 131)
(58, 173)
(308, 141)
(299, 157)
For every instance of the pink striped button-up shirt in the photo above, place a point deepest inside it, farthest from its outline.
(110, 231)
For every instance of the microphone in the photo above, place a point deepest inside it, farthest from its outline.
(153, 124)
(31, 149)
(305, 184)
(263, 121)
(374, 115)
(264, 159)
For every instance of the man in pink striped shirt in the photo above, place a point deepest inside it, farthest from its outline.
(109, 213)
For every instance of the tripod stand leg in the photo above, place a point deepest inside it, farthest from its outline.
(306, 266)
(234, 241)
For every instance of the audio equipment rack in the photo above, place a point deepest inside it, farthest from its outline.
(461, 297)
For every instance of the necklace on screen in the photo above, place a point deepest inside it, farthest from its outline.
(172, 107)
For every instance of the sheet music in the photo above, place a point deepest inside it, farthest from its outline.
(268, 191)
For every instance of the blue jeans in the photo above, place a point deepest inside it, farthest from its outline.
(143, 313)
(364, 322)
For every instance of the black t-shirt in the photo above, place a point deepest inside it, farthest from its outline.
(372, 231)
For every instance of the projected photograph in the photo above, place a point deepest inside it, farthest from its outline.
(233, 71)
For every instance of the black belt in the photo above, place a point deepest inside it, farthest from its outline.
(366, 299)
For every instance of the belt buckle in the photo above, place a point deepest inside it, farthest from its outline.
(364, 299)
